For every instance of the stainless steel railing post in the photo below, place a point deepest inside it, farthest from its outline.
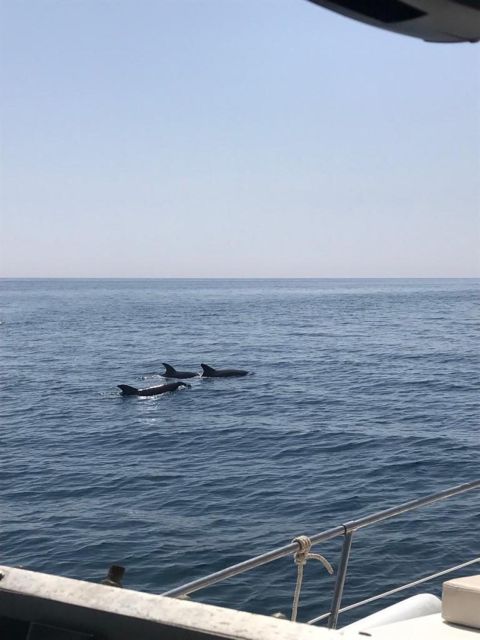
(340, 582)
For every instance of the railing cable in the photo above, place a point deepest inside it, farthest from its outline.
(346, 529)
(396, 589)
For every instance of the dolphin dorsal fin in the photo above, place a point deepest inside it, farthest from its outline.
(169, 370)
(128, 390)
(206, 369)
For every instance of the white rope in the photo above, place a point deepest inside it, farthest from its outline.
(300, 558)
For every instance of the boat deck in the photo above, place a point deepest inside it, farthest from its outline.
(32, 603)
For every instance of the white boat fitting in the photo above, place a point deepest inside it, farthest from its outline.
(36, 606)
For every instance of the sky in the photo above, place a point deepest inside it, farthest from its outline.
(233, 138)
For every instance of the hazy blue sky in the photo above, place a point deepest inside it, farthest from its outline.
(233, 138)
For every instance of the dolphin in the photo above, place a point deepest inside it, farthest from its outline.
(171, 372)
(210, 372)
(151, 391)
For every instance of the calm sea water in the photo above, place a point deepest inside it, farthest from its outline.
(364, 394)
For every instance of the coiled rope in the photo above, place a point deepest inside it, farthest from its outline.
(300, 558)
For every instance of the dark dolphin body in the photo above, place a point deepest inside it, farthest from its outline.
(210, 372)
(171, 372)
(151, 391)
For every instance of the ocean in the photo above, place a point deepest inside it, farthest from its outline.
(363, 394)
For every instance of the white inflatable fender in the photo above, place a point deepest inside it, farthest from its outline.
(423, 604)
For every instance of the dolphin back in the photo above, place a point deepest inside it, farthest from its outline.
(207, 371)
(169, 370)
(127, 390)
(221, 373)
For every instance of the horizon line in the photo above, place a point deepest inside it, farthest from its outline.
(476, 277)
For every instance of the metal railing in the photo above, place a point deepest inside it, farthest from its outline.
(347, 530)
